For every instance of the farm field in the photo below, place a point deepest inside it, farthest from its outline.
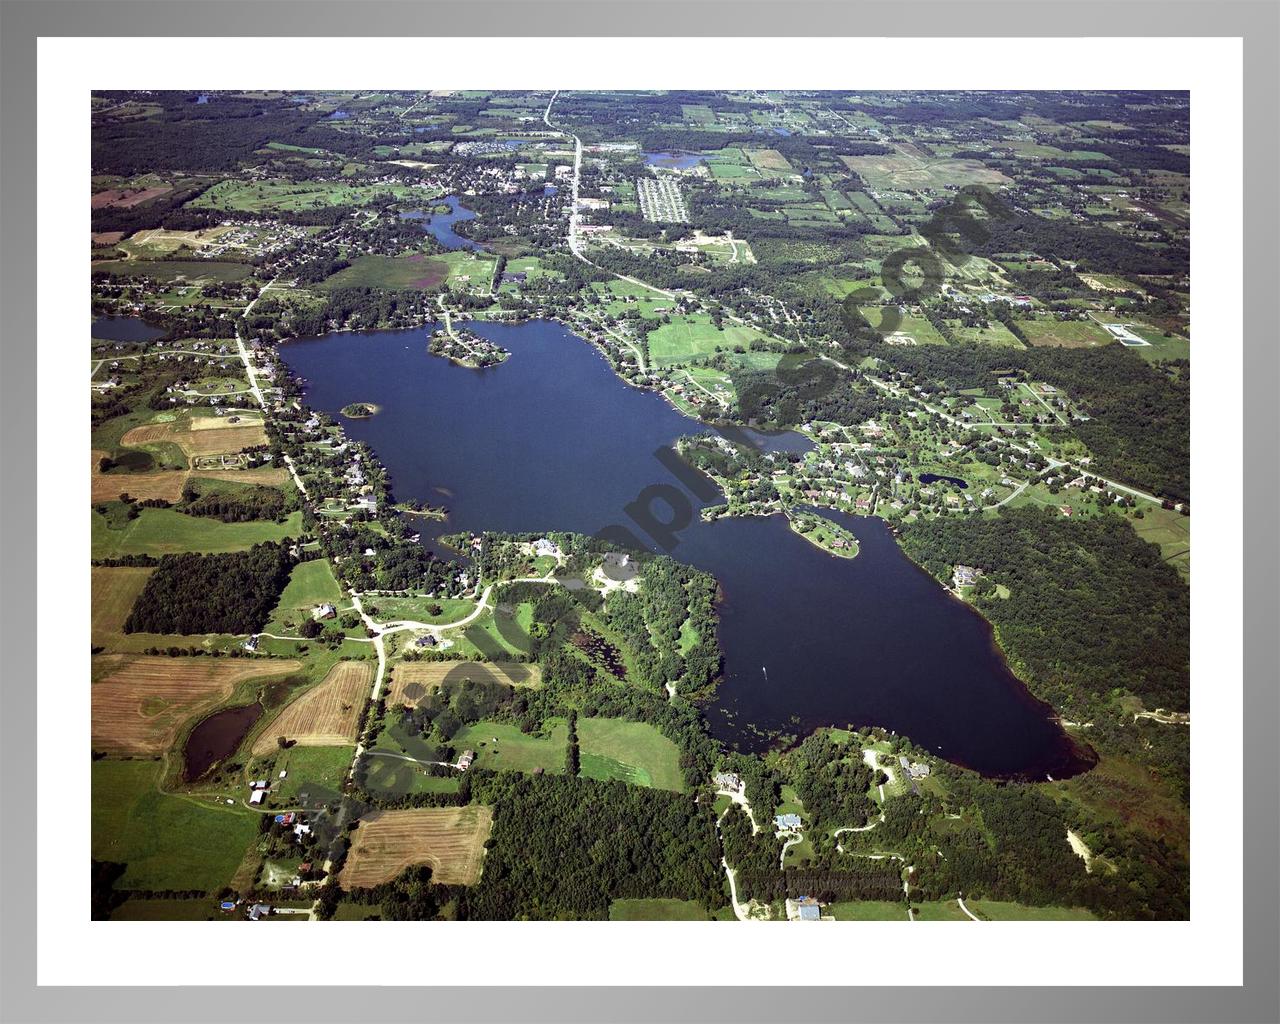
(113, 593)
(160, 531)
(324, 716)
(167, 842)
(141, 703)
(200, 435)
(281, 195)
(164, 484)
(413, 680)
(657, 910)
(502, 747)
(635, 752)
(168, 910)
(449, 839)
(909, 169)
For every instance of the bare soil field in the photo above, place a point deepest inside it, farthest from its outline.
(413, 680)
(106, 237)
(140, 703)
(450, 839)
(165, 483)
(327, 714)
(201, 435)
(126, 198)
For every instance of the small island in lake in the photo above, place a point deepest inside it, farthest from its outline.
(359, 410)
(466, 349)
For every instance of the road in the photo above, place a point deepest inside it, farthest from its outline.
(575, 217)
(254, 387)
(972, 915)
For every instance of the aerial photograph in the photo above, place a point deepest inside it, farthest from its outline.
(728, 505)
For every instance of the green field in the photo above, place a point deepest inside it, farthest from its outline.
(168, 842)
(502, 747)
(695, 335)
(169, 910)
(283, 195)
(657, 910)
(311, 770)
(995, 910)
(868, 910)
(635, 752)
(395, 272)
(170, 270)
(940, 910)
(1064, 333)
(159, 531)
(310, 584)
(421, 609)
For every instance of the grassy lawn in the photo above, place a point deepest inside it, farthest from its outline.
(1169, 530)
(168, 842)
(689, 336)
(421, 609)
(502, 747)
(310, 584)
(159, 531)
(657, 910)
(312, 770)
(940, 910)
(868, 910)
(612, 748)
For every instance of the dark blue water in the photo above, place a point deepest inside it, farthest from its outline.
(552, 439)
(124, 328)
(440, 225)
(674, 161)
(339, 115)
(931, 478)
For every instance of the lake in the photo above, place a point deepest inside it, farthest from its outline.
(216, 738)
(124, 328)
(440, 225)
(552, 439)
(933, 478)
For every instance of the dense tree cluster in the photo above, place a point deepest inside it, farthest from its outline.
(564, 848)
(1092, 606)
(234, 503)
(228, 593)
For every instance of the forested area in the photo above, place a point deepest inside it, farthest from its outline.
(1092, 607)
(1139, 426)
(564, 847)
(229, 593)
(832, 781)
(233, 503)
